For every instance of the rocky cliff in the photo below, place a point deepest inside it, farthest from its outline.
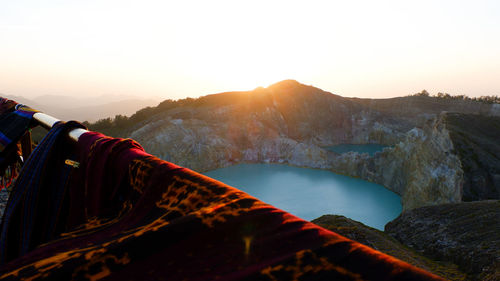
(467, 234)
(452, 158)
(423, 168)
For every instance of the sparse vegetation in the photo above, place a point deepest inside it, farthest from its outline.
(484, 99)
(120, 124)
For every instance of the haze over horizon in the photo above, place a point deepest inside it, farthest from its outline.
(171, 49)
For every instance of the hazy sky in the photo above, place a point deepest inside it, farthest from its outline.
(174, 49)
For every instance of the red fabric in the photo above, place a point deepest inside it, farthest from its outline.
(148, 219)
(106, 162)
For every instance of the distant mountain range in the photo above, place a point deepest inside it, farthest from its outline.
(85, 108)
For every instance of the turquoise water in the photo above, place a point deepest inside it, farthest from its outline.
(361, 148)
(310, 193)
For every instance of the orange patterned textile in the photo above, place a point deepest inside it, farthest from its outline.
(136, 217)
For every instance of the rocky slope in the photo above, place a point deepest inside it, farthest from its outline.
(287, 122)
(386, 244)
(467, 234)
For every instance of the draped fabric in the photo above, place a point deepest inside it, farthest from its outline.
(136, 217)
(8, 158)
(36, 210)
(13, 126)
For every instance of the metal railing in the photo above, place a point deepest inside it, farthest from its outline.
(48, 122)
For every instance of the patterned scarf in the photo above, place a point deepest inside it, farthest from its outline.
(142, 218)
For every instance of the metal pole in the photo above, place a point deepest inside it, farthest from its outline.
(48, 121)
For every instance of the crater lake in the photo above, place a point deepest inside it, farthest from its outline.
(311, 193)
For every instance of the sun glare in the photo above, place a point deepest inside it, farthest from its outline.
(250, 47)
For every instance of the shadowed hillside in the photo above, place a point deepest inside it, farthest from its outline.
(466, 233)
(382, 242)
(477, 141)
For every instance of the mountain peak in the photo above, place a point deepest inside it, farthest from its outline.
(295, 88)
(288, 83)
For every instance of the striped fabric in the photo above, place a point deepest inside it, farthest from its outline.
(136, 217)
(13, 126)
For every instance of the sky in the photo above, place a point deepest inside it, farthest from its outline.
(175, 49)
